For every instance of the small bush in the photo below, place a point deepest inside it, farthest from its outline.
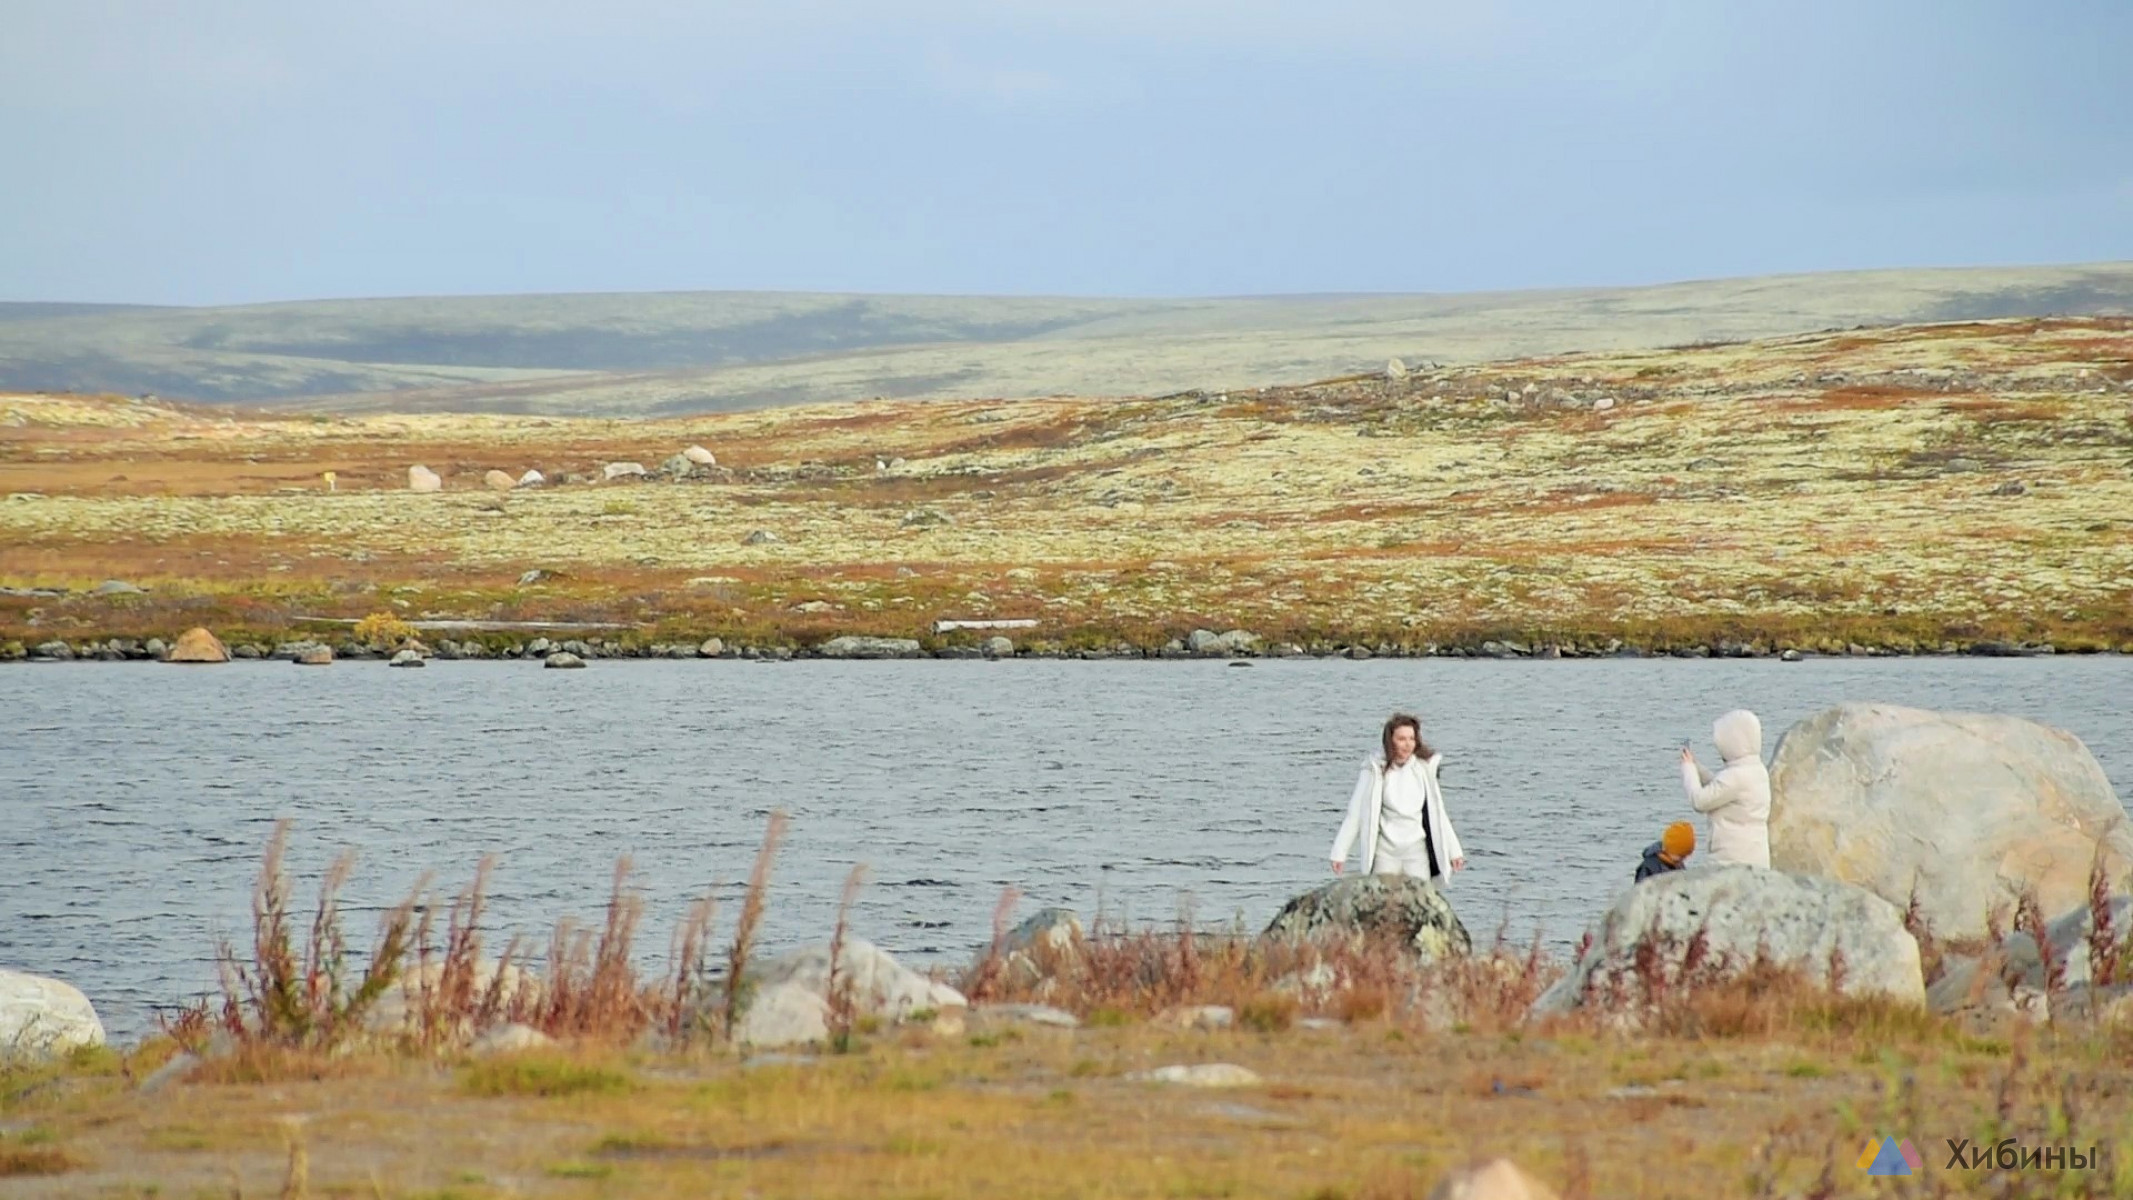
(1269, 1012)
(383, 631)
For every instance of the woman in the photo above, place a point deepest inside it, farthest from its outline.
(1738, 796)
(1397, 812)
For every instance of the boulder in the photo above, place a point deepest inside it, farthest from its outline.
(881, 986)
(2011, 979)
(1052, 930)
(400, 1005)
(1205, 641)
(1497, 1179)
(622, 470)
(498, 481)
(118, 587)
(509, 1039)
(783, 1014)
(55, 650)
(1801, 922)
(1025, 1014)
(1198, 1016)
(1042, 948)
(761, 537)
(926, 518)
(999, 647)
(678, 466)
(1240, 641)
(1405, 910)
(315, 655)
(700, 456)
(422, 479)
(197, 645)
(1967, 808)
(791, 1001)
(563, 660)
(711, 648)
(532, 478)
(870, 647)
(1201, 1075)
(42, 1018)
(407, 658)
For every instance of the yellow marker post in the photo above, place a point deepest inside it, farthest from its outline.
(329, 481)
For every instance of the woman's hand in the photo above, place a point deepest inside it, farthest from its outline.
(1458, 864)
(1337, 867)
(1688, 755)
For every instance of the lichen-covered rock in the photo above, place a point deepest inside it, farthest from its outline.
(1200, 1075)
(790, 1004)
(870, 647)
(197, 645)
(1827, 930)
(1967, 808)
(41, 1018)
(1398, 908)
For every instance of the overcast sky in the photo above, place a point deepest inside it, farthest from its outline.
(215, 151)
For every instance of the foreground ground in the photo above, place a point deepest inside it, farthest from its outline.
(1921, 488)
(1363, 1110)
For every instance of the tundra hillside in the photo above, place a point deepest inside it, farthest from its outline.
(1926, 488)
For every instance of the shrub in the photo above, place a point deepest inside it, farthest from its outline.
(280, 997)
(383, 631)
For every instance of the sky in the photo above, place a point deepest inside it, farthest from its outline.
(234, 151)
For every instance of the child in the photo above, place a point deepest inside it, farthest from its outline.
(1670, 852)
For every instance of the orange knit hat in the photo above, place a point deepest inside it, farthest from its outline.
(1679, 840)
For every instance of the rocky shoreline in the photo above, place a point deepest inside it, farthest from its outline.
(1239, 645)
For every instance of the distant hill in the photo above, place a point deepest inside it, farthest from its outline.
(653, 353)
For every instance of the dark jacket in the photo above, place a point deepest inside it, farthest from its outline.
(1654, 865)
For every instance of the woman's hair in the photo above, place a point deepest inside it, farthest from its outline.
(1392, 723)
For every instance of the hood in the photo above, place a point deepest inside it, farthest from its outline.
(1738, 735)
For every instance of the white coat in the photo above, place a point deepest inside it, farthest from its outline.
(1367, 804)
(1738, 796)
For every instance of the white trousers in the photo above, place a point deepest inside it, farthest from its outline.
(1412, 860)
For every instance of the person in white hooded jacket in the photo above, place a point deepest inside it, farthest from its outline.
(1396, 815)
(1737, 798)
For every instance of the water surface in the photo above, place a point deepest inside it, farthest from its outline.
(135, 798)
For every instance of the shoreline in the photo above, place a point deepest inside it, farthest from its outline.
(494, 646)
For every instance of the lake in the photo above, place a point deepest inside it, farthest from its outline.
(135, 798)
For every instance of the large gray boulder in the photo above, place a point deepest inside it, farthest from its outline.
(42, 1018)
(2014, 979)
(1801, 922)
(1969, 808)
(870, 647)
(790, 1005)
(1398, 908)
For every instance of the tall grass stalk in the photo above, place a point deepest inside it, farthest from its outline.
(738, 988)
(842, 1009)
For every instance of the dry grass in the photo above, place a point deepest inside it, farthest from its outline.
(1745, 1079)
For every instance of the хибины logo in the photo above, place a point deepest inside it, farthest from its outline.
(1890, 1157)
